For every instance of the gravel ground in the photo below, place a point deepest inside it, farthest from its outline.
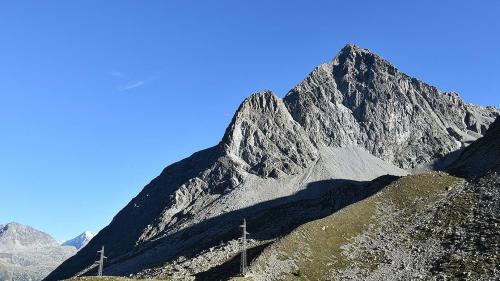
(455, 239)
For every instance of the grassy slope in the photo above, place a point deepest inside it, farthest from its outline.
(106, 278)
(315, 249)
(397, 233)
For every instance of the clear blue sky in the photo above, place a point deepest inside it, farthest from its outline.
(97, 97)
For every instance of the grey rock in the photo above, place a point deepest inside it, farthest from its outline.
(265, 137)
(29, 254)
(337, 124)
(14, 235)
(360, 98)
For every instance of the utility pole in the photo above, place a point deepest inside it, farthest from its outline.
(100, 262)
(243, 265)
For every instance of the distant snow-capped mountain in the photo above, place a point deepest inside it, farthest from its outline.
(80, 241)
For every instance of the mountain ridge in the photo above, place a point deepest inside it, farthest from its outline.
(14, 234)
(29, 254)
(274, 148)
(358, 86)
(79, 241)
(264, 152)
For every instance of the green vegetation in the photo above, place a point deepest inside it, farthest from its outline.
(471, 230)
(315, 249)
(325, 248)
(107, 278)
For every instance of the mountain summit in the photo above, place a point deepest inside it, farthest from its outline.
(18, 236)
(350, 121)
(360, 98)
(29, 254)
(80, 241)
(265, 138)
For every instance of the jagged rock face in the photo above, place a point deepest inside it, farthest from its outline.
(275, 148)
(360, 98)
(267, 139)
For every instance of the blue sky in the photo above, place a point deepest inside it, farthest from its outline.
(97, 97)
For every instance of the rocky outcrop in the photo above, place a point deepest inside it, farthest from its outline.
(275, 150)
(360, 98)
(264, 136)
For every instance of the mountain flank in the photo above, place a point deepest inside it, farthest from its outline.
(352, 120)
(481, 156)
(29, 254)
(431, 226)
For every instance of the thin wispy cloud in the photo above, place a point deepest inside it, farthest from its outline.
(132, 86)
(136, 84)
(117, 74)
(127, 82)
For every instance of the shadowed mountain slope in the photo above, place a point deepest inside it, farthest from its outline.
(481, 156)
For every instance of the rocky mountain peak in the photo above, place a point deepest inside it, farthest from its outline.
(353, 57)
(352, 116)
(354, 64)
(352, 50)
(266, 139)
(80, 241)
(13, 235)
(264, 101)
(362, 99)
(29, 254)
